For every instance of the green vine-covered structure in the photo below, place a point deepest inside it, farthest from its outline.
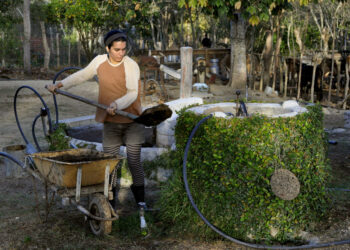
(230, 165)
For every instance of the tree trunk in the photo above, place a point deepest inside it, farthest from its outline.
(153, 33)
(194, 38)
(182, 29)
(58, 50)
(285, 78)
(338, 76)
(300, 43)
(267, 57)
(238, 52)
(277, 53)
(281, 75)
(288, 36)
(332, 67)
(325, 38)
(79, 53)
(69, 47)
(3, 61)
(165, 25)
(347, 80)
(214, 36)
(313, 79)
(262, 67)
(46, 46)
(51, 40)
(251, 78)
(27, 34)
(231, 54)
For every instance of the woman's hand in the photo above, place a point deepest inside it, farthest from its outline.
(53, 87)
(112, 108)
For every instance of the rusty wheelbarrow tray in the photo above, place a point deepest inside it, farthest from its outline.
(61, 167)
(75, 172)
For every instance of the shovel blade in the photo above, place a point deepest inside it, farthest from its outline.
(155, 115)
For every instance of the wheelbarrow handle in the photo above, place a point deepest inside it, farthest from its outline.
(94, 103)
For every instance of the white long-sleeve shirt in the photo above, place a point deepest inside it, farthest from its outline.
(132, 77)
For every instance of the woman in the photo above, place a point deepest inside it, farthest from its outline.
(119, 89)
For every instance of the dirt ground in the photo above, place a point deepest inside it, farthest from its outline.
(21, 227)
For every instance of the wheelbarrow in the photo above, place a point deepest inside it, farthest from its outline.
(74, 173)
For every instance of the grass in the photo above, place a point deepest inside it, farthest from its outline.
(127, 227)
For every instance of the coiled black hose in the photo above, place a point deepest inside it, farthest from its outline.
(6, 155)
(30, 148)
(54, 81)
(217, 230)
(33, 132)
(54, 96)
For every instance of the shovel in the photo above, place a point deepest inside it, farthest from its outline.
(149, 117)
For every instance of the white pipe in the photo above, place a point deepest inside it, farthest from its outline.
(170, 71)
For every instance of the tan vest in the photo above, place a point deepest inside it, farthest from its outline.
(112, 85)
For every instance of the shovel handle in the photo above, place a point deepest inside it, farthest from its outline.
(95, 104)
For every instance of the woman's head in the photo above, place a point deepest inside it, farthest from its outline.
(114, 36)
(115, 42)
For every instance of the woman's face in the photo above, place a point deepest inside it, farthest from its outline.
(117, 51)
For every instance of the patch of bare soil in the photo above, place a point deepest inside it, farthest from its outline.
(66, 228)
(36, 73)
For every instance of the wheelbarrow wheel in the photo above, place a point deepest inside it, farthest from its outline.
(100, 208)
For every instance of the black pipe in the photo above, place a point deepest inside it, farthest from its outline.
(244, 108)
(6, 155)
(220, 232)
(53, 95)
(30, 148)
(54, 81)
(33, 133)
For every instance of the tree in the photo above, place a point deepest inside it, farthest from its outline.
(159, 14)
(26, 38)
(38, 10)
(8, 17)
(89, 18)
(240, 13)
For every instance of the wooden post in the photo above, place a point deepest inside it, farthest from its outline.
(186, 72)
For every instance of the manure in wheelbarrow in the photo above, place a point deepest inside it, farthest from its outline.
(78, 158)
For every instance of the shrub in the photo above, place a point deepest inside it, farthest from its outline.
(58, 139)
(230, 164)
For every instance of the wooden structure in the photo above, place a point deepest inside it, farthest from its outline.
(186, 55)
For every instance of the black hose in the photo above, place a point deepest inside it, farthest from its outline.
(54, 81)
(53, 95)
(30, 148)
(217, 230)
(244, 108)
(33, 132)
(6, 155)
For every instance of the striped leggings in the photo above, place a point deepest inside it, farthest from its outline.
(134, 161)
(132, 135)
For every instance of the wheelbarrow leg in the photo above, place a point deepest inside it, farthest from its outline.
(106, 184)
(115, 184)
(78, 185)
